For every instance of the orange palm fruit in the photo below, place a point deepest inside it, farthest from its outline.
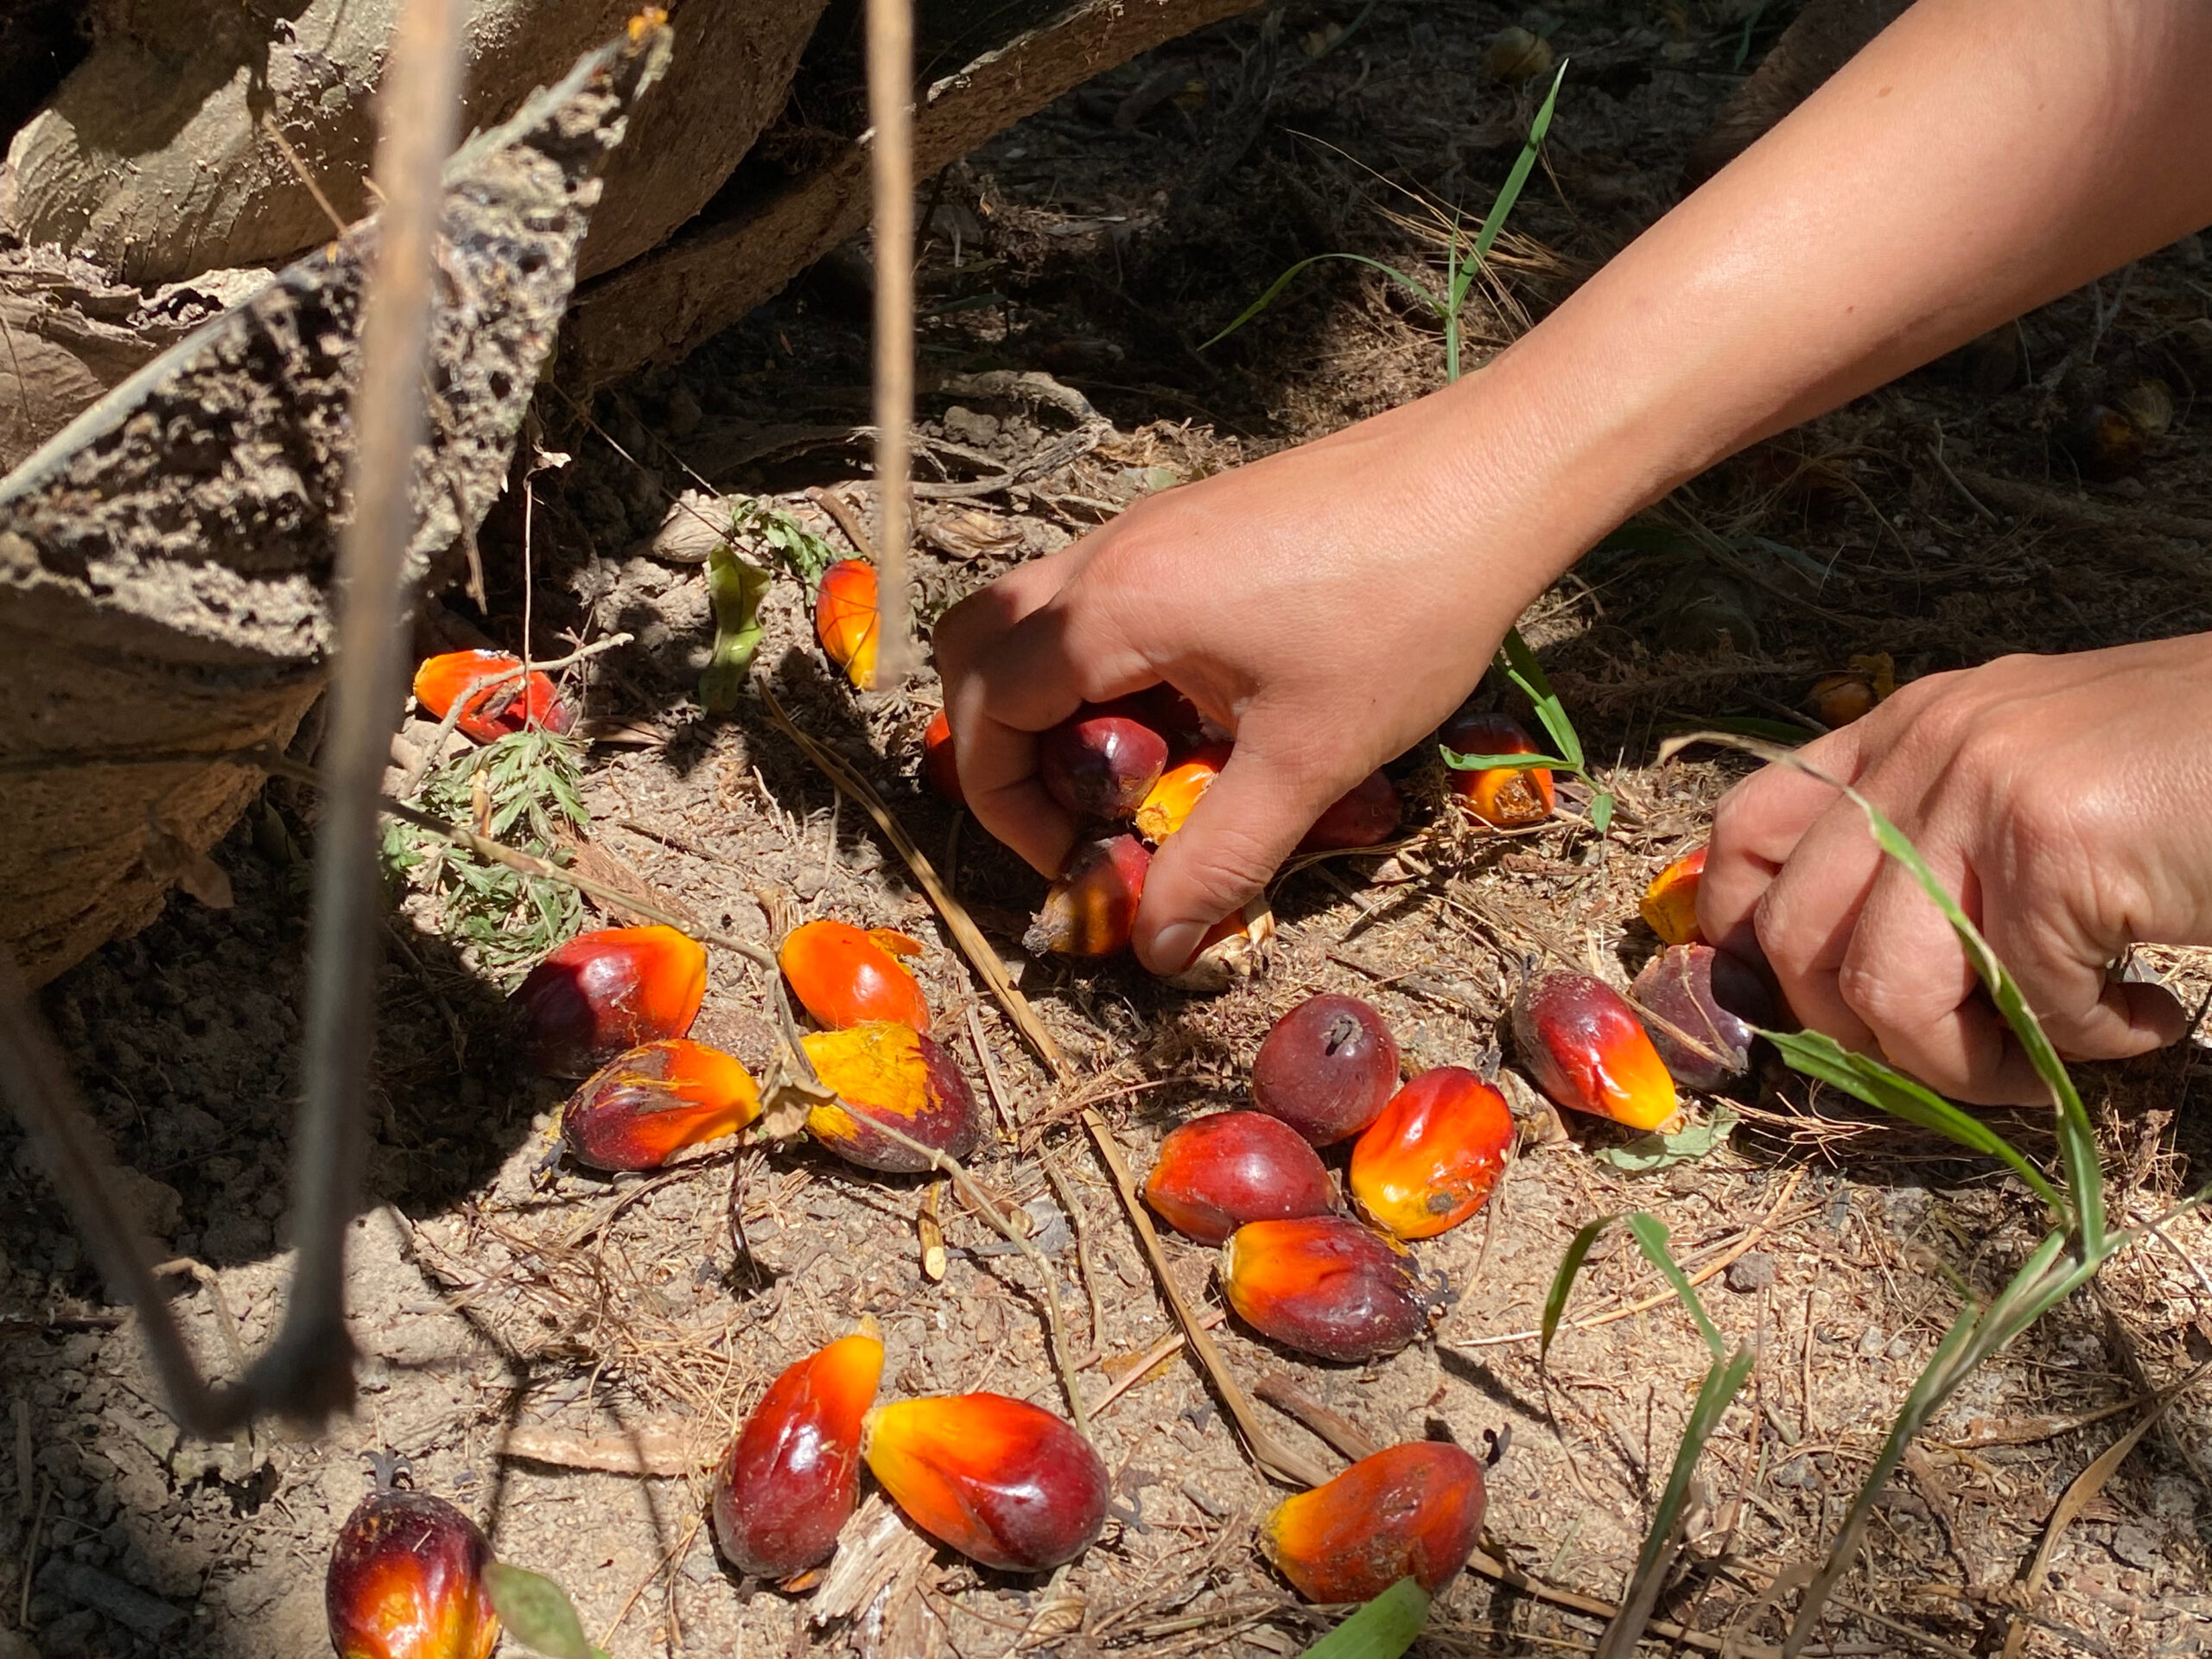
(496, 711)
(789, 1479)
(845, 619)
(1169, 801)
(1409, 1511)
(1214, 1174)
(1838, 699)
(1327, 1068)
(940, 766)
(844, 976)
(1584, 1046)
(1089, 911)
(1101, 761)
(1324, 1286)
(1503, 798)
(1365, 815)
(1700, 1008)
(889, 1072)
(406, 1579)
(645, 1106)
(1430, 1161)
(1005, 1482)
(1670, 906)
(604, 992)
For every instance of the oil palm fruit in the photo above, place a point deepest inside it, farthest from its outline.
(1214, 1174)
(1583, 1044)
(1327, 1069)
(494, 711)
(940, 763)
(1090, 910)
(1101, 761)
(1699, 1008)
(648, 1104)
(1003, 1482)
(1670, 906)
(889, 1072)
(845, 619)
(844, 977)
(1324, 1286)
(789, 1479)
(406, 1579)
(1364, 816)
(1167, 804)
(1504, 797)
(604, 992)
(1409, 1511)
(1430, 1161)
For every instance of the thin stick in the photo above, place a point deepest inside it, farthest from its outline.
(1166, 1348)
(310, 1364)
(1066, 1194)
(848, 521)
(891, 110)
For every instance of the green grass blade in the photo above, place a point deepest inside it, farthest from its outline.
(1520, 666)
(1275, 289)
(1578, 1250)
(1721, 1384)
(736, 588)
(536, 1612)
(1881, 1086)
(1383, 1629)
(1459, 762)
(1651, 1233)
(1601, 811)
(1523, 164)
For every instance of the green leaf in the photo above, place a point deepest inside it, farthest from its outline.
(1494, 220)
(1459, 762)
(1274, 291)
(1651, 1233)
(1882, 1086)
(1520, 667)
(1648, 1154)
(538, 1613)
(1383, 1629)
(1601, 811)
(736, 588)
(1578, 1251)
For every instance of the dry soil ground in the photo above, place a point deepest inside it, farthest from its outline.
(1098, 243)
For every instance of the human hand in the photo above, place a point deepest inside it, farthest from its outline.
(2063, 799)
(1328, 606)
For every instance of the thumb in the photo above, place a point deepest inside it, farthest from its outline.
(1228, 851)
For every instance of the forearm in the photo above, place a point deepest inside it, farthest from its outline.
(1980, 158)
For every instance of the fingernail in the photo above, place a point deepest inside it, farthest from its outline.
(1174, 946)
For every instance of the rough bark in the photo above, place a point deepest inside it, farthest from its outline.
(153, 160)
(164, 560)
(659, 307)
(1820, 40)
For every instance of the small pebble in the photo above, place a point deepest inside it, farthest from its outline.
(1753, 1270)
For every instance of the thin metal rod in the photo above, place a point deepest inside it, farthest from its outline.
(890, 105)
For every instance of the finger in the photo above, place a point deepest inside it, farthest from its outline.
(1906, 974)
(2087, 1014)
(1235, 838)
(1756, 827)
(1802, 922)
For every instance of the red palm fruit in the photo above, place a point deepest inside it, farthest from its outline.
(939, 764)
(1005, 1482)
(1670, 906)
(1090, 910)
(1364, 817)
(1586, 1049)
(604, 992)
(1101, 761)
(406, 1581)
(495, 711)
(643, 1107)
(1324, 1286)
(1430, 1161)
(844, 976)
(1502, 797)
(1327, 1069)
(789, 1479)
(1169, 801)
(1410, 1511)
(1699, 1006)
(845, 619)
(1217, 1172)
(890, 1072)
